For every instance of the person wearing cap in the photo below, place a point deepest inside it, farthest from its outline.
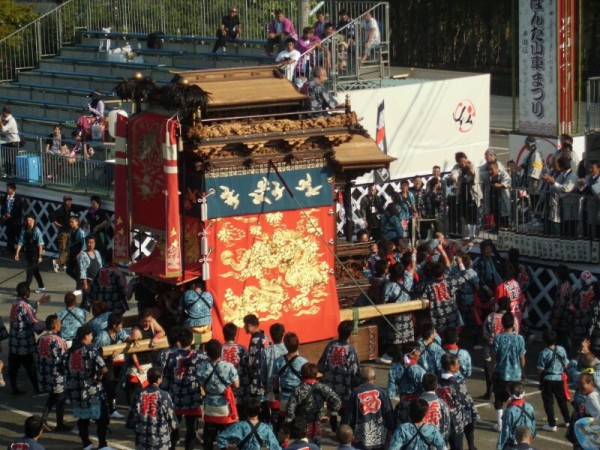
(85, 368)
(60, 219)
(96, 105)
(533, 164)
(229, 30)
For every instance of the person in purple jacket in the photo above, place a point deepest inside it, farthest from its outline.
(279, 30)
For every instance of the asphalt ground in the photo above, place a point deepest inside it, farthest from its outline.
(14, 410)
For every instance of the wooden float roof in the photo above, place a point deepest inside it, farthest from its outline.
(243, 86)
(360, 152)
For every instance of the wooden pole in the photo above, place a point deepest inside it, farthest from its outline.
(364, 312)
(144, 346)
(368, 312)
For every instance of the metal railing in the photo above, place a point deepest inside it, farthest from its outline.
(523, 210)
(72, 171)
(343, 54)
(45, 36)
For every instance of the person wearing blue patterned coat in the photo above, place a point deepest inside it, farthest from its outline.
(464, 357)
(431, 350)
(518, 413)
(197, 305)
(340, 367)
(551, 364)
(405, 379)
(181, 381)
(31, 242)
(256, 353)
(270, 355)
(113, 334)
(369, 413)
(441, 292)
(454, 392)
(508, 356)
(397, 290)
(99, 321)
(152, 416)
(71, 317)
(313, 401)
(218, 378)
(110, 286)
(85, 367)
(21, 338)
(237, 355)
(287, 376)
(417, 435)
(250, 434)
(50, 368)
(438, 413)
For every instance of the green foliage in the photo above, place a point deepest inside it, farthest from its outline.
(14, 15)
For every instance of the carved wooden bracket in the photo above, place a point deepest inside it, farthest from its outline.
(252, 146)
(296, 142)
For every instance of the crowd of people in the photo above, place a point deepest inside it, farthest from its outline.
(266, 393)
(300, 53)
(558, 195)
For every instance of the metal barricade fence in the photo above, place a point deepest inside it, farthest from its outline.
(542, 211)
(341, 54)
(75, 173)
(46, 35)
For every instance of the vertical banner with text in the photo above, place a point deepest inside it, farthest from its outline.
(538, 84)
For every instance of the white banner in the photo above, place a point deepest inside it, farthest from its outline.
(538, 67)
(428, 121)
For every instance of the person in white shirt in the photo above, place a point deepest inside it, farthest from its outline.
(373, 36)
(289, 58)
(9, 128)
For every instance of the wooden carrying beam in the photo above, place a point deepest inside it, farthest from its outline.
(362, 313)
(368, 312)
(144, 345)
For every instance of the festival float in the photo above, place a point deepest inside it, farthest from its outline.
(236, 179)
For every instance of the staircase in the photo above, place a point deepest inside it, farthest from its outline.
(48, 67)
